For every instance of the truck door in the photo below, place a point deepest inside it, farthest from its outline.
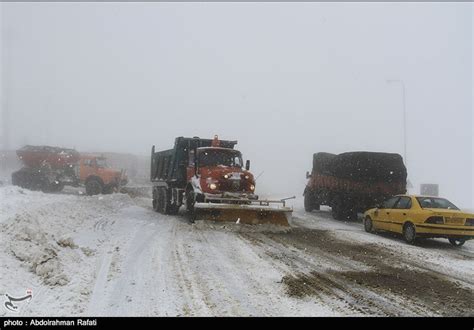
(87, 168)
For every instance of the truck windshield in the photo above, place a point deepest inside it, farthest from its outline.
(101, 162)
(216, 157)
(436, 203)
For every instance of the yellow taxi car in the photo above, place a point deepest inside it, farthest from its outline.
(421, 216)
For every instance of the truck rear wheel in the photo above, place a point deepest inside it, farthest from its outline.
(337, 210)
(166, 201)
(190, 201)
(109, 189)
(57, 186)
(308, 202)
(93, 187)
(155, 204)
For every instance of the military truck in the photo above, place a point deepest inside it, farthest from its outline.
(353, 182)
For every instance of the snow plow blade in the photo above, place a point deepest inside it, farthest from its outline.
(252, 212)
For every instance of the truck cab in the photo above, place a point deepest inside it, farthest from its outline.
(97, 176)
(219, 171)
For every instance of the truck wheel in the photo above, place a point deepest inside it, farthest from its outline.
(338, 211)
(457, 241)
(93, 187)
(159, 201)
(409, 233)
(57, 187)
(166, 196)
(109, 189)
(190, 201)
(308, 202)
(368, 225)
(155, 199)
(154, 203)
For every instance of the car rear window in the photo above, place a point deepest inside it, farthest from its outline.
(436, 203)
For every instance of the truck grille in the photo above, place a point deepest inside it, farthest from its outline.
(235, 185)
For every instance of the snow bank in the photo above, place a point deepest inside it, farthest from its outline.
(37, 229)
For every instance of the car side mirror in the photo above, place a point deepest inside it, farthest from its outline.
(247, 165)
(308, 175)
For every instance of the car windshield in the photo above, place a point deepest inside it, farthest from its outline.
(436, 203)
(209, 157)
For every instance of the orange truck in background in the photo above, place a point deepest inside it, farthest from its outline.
(49, 169)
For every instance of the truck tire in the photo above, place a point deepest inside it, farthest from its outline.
(56, 187)
(308, 202)
(109, 189)
(166, 201)
(337, 210)
(190, 201)
(93, 187)
(155, 199)
(154, 204)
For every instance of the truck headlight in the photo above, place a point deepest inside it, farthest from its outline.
(213, 186)
(252, 187)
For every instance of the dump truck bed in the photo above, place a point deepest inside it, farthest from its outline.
(56, 158)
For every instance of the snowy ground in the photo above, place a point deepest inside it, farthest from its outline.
(112, 255)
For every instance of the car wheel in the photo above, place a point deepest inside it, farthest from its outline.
(368, 225)
(409, 233)
(457, 241)
(155, 204)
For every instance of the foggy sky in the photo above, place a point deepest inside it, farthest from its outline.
(284, 79)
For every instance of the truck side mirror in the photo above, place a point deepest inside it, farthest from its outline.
(308, 175)
(247, 165)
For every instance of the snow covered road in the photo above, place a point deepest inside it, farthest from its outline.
(113, 256)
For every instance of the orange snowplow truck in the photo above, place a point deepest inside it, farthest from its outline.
(208, 177)
(49, 169)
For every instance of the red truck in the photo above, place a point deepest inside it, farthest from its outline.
(49, 169)
(208, 176)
